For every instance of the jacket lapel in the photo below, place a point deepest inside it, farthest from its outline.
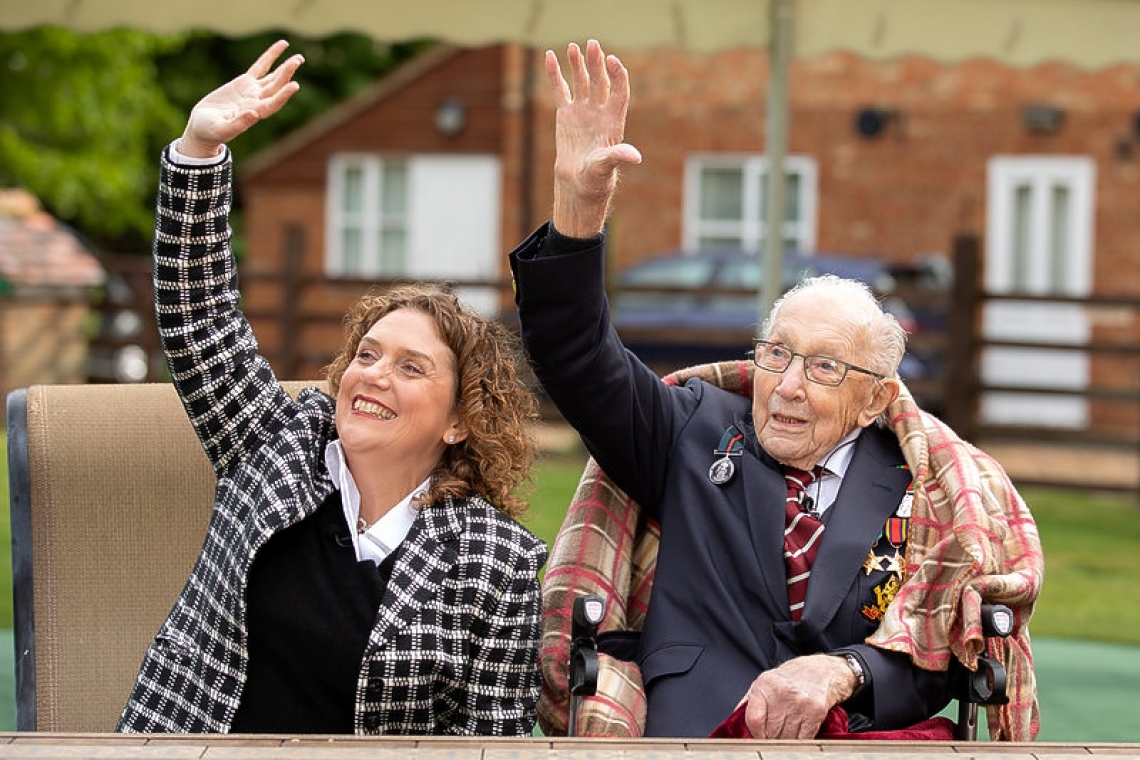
(871, 491)
(425, 558)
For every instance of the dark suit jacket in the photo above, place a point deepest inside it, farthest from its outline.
(718, 614)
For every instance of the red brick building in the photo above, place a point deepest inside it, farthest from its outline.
(888, 158)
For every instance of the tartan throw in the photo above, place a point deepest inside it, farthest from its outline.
(972, 539)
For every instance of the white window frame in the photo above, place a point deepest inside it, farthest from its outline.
(371, 222)
(752, 227)
(1004, 175)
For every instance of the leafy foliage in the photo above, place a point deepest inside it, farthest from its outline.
(78, 115)
(83, 117)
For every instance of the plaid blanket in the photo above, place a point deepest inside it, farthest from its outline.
(971, 538)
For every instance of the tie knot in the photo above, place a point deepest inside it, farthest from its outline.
(798, 480)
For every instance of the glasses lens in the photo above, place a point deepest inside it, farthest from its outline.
(825, 371)
(772, 357)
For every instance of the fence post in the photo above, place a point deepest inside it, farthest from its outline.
(960, 393)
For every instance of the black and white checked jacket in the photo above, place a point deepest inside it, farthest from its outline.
(455, 646)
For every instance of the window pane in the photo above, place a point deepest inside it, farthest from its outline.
(353, 189)
(792, 202)
(792, 198)
(722, 193)
(351, 250)
(393, 247)
(394, 188)
(1059, 238)
(1020, 245)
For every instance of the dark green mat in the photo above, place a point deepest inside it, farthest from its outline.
(1088, 692)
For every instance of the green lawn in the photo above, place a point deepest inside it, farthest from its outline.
(1092, 560)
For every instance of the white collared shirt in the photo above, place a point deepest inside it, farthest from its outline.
(824, 490)
(384, 535)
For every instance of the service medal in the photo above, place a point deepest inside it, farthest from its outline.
(722, 471)
(731, 445)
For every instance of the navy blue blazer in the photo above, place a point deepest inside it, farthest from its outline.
(718, 614)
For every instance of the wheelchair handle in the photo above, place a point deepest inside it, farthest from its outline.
(997, 620)
(587, 615)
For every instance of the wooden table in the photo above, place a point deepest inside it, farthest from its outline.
(246, 747)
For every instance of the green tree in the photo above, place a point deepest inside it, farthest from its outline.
(77, 114)
(335, 68)
(83, 117)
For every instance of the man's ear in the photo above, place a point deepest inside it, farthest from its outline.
(883, 394)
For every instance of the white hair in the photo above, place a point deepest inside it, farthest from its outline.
(882, 333)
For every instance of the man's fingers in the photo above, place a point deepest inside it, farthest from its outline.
(578, 73)
(619, 85)
(557, 81)
(596, 67)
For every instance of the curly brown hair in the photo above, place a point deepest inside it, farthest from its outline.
(494, 402)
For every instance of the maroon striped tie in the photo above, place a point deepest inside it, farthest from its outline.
(802, 534)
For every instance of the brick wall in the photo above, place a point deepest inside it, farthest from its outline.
(904, 193)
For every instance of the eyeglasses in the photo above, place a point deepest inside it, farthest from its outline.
(822, 370)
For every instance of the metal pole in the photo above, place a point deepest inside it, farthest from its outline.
(779, 55)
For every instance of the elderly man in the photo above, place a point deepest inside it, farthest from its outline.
(783, 517)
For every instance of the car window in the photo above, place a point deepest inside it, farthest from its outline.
(677, 272)
(747, 272)
(739, 273)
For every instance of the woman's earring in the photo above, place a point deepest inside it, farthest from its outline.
(451, 439)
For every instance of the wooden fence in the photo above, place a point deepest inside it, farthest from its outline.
(1105, 451)
(1113, 394)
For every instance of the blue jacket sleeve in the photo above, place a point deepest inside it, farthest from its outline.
(626, 415)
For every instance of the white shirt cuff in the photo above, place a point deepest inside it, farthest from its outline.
(183, 160)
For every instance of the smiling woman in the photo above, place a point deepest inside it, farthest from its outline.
(362, 571)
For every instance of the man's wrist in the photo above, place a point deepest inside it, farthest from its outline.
(856, 667)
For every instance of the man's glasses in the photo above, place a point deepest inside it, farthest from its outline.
(822, 370)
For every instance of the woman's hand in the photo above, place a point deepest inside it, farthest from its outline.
(589, 129)
(240, 103)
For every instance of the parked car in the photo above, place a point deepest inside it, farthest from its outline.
(682, 309)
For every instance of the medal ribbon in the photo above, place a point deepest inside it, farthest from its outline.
(731, 442)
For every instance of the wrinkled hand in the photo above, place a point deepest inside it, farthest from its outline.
(589, 129)
(240, 103)
(791, 701)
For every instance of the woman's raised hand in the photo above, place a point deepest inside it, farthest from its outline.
(240, 103)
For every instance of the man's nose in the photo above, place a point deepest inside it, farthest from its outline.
(794, 378)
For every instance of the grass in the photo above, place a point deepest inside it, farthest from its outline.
(1090, 543)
